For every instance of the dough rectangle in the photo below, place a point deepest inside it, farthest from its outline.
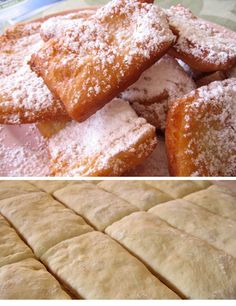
(12, 248)
(9, 189)
(220, 203)
(176, 189)
(93, 266)
(42, 221)
(199, 222)
(99, 207)
(137, 193)
(190, 265)
(28, 280)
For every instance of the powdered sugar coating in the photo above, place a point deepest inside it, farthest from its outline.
(201, 39)
(60, 25)
(153, 94)
(107, 51)
(212, 147)
(102, 142)
(24, 97)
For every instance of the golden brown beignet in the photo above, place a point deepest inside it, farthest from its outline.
(203, 45)
(200, 133)
(108, 143)
(100, 57)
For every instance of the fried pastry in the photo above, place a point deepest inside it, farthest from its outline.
(108, 143)
(103, 55)
(201, 44)
(49, 128)
(189, 265)
(215, 76)
(199, 222)
(60, 25)
(94, 266)
(200, 133)
(24, 97)
(152, 95)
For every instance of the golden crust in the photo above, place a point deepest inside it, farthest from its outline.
(109, 143)
(24, 98)
(102, 56)
(200, 132)
(202, 45)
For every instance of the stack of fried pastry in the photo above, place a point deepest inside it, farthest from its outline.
(100, 81)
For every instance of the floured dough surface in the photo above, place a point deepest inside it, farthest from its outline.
(137, 193)
(51, 186)
(94, 266)
(157, 88)
(99, 207)
(208, 148)
(190, 265)
(12, 188)
(107, 144)
(29, 280)
(220, 203)
(12, 248)
(199, 222)
(42, 221)
(176, 189)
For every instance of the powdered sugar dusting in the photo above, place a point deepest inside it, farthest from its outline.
(200, 38)
(60, 25)
(83, 148)
(24, 97)
(26, 155)
(107, 50)
(157, 88)
(215, 109)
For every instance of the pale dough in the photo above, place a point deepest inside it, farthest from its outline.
(137, 193)
(42, 221)
(189, 264)
(12, 248)
(176, 189)
(28, 279)
(94, 266)
(10, 189)
(99, 207)
(222, 189)
(195, 220)
(220, 203)
(51, 186)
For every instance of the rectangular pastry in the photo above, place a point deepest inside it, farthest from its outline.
(99, 207)
(96, 59)
(220, 203)
(191, 266)
(107, 144)
(199, 222)
(94, 266)
(42, 221)
(137, 193)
